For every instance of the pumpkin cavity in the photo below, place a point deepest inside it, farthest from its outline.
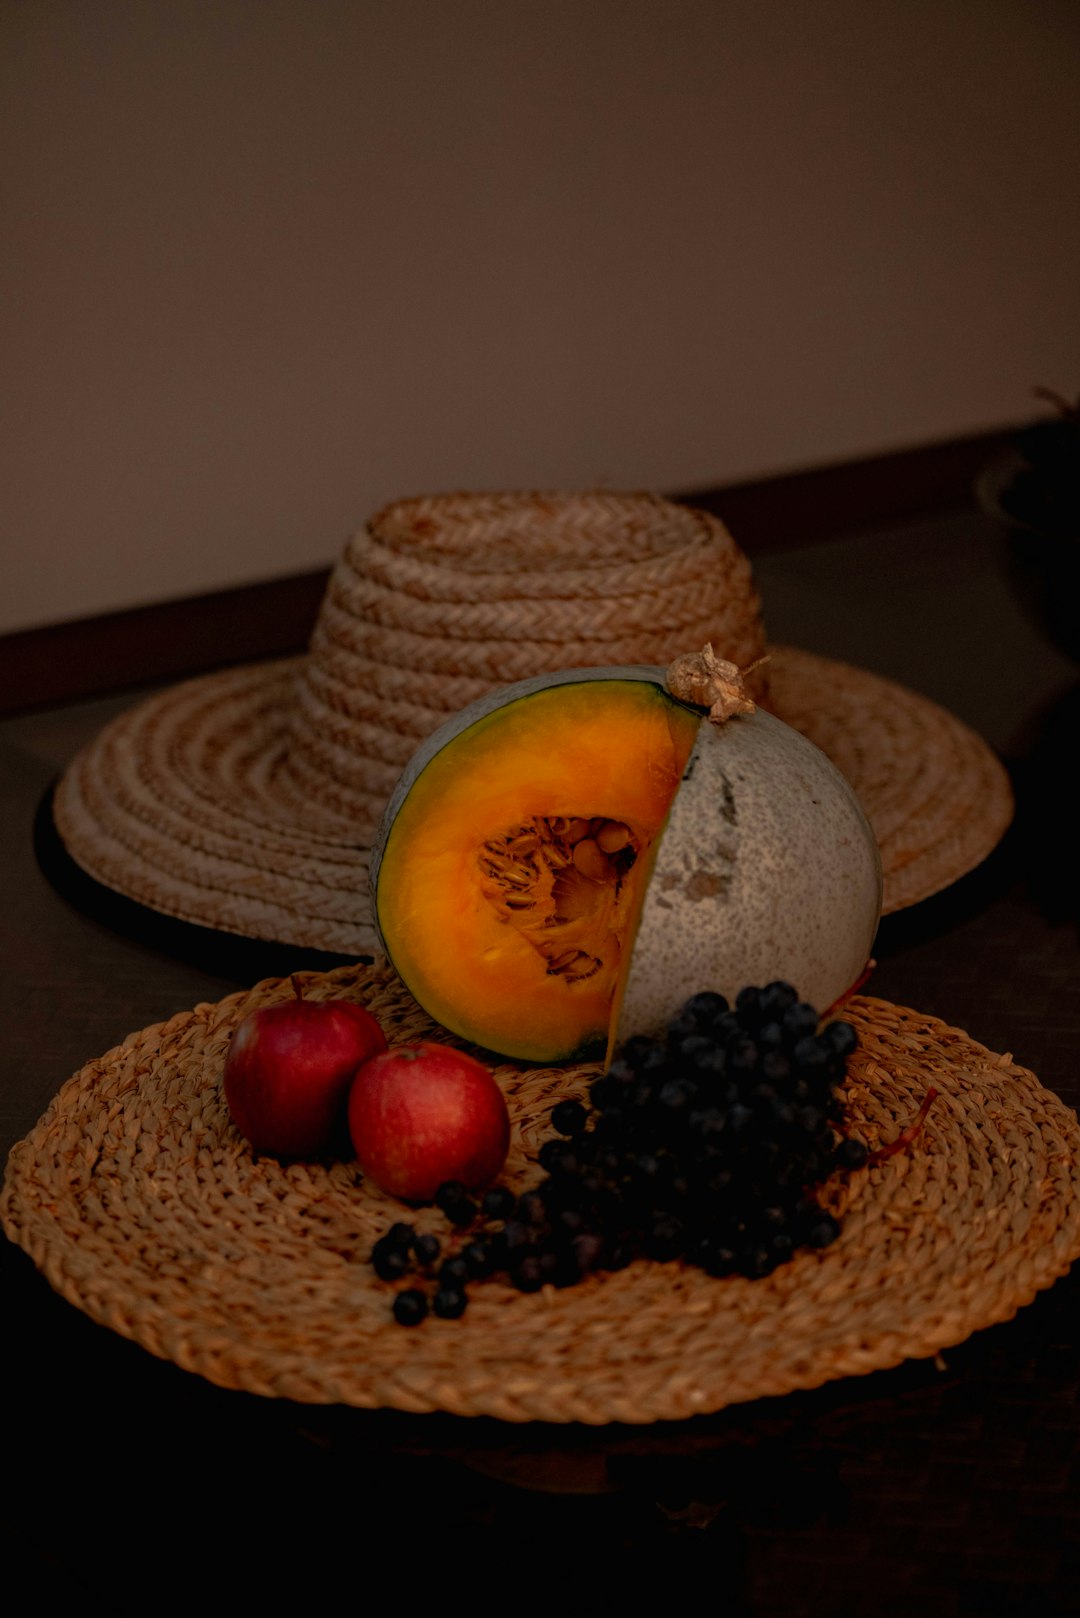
(560, 881)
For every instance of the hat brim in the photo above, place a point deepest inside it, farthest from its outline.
(182, 805)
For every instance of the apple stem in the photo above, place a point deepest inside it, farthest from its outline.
(298, 987)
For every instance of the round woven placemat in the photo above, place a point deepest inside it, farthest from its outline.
(143, 1206)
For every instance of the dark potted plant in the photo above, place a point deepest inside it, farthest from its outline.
(1034, 491)
(1036, 488)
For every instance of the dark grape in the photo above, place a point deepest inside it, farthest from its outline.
(530, 1209)
(811, 1056)
(389, 1259)
(770, 1037)
(708, 1123)
(776, 1066)
(605, 1092)
(748, 1007)
(720, 1260)
(478, 1258)
(739, 1119)
(527, 1273)
(677, 1095)
(755, 1261)
(719, 1183)
(743, 1058)
(665, 1239)
(563, 1163)
(565, 1270)
(707, 1060)
(775, 998)
(569, 1117)
(642, 1053)
(646, 1166)
(450, 1302)
(609, 1125)
(851, 1154)
(707, 1006)
(621, 1072)
(799, 1020)
(453, 1199)
(498, 1203)
(841, 1038)
(588, 1250)
(682, 1026)
(823, 1231)
(516, 1235)
(410, 1307)
(427, 1249)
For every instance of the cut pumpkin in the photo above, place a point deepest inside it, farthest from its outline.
(510, 881)
(564, 862)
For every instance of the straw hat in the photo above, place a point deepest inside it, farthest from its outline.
(247, 800)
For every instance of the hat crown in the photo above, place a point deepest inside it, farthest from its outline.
(442, 599)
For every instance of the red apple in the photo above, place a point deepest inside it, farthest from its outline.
(421, 1114)
(289, 1068)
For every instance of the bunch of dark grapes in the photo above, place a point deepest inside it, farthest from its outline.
(708, 1145)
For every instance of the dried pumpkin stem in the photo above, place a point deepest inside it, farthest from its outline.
(707, 681)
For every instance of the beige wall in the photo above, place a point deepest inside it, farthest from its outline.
(268, 265)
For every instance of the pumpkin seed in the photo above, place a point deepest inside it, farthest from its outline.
(590, 861)
(574, 965)
(613, 836)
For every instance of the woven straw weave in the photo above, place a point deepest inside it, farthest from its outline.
(937, 798)
(186, 802)
(441, 600)
(142, 1205)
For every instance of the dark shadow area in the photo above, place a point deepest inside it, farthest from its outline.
(884, 1494)
(953, 906)
(1046, 835)
(1043, 573)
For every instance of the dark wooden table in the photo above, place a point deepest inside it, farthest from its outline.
(937, 1489)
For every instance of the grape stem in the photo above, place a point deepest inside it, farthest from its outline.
(906, 1136)
(842, 1000)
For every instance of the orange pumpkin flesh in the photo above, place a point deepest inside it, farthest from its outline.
(496, 907)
